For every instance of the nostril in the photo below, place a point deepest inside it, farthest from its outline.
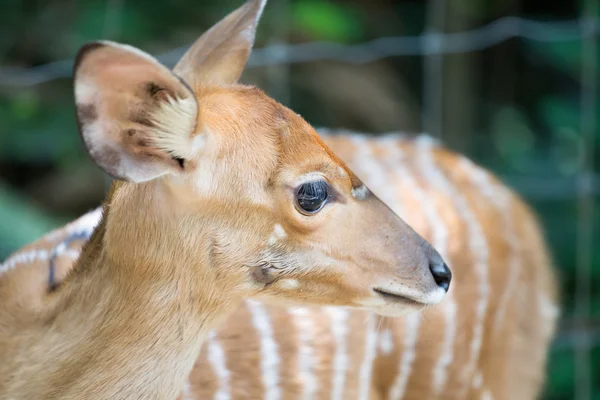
(441, 274)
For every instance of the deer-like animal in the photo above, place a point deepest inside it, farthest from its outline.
(487, 340)
(222, 195)
(266, 351)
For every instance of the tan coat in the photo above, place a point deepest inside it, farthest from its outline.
(487, 340)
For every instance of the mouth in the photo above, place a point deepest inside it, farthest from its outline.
(397, 298)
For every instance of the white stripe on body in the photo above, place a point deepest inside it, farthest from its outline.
(339, 329)
(439, 233)
(269, 351)
(478, 246)
(366, 368)
(478, 384)
(411, 329)
(33, 256)
(86, 224)
(62, 249)
(548, 310)
(440, 370)
(24, 258)
(217, 359)
(306, 354)
(386, 342)
(487, 395)
(71, 253)
(501, 198)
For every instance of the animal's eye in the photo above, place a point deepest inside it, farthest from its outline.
(312, 196)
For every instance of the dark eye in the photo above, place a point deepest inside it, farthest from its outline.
(312, 196)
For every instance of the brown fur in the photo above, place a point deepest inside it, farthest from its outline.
(511, 362)
(208, 218)
(208, 195)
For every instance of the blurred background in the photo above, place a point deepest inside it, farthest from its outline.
(511, 83)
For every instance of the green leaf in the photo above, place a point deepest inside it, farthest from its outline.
(25, 105)
(327, 21)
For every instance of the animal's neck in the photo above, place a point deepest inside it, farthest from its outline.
(121, 327)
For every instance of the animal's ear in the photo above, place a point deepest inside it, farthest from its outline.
(135, 116)
(220, 55)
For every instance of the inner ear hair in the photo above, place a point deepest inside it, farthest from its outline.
(136, 117)
(173, 121)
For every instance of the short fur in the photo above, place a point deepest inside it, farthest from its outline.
(181, 239)
(310, 341)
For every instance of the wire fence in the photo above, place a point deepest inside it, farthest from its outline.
(430, 43)
(278, 56)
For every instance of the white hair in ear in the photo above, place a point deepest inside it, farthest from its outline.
(173, 123)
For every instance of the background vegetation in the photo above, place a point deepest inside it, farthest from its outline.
(521, 108)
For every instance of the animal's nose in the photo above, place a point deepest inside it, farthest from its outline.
(441, 273)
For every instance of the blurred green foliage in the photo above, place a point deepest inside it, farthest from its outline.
(515, 107)
(328, 21)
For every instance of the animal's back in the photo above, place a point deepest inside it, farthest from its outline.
(488, 339)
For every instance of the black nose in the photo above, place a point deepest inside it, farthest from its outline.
(441, 274)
